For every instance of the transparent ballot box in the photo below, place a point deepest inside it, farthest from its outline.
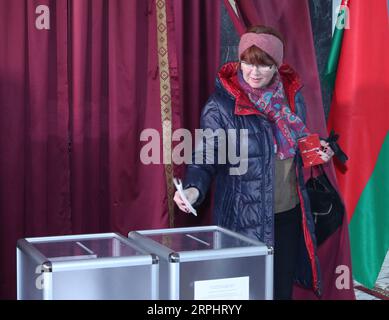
(209, 263)
(91, 267)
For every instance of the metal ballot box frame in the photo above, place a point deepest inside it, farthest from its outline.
(209, 263)
(88, 267)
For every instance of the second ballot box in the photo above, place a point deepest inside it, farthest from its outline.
(209, 263)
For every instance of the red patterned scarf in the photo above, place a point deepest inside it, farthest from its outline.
(272, 103)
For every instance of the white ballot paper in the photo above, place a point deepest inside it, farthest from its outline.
(178, 184)
(222, 289)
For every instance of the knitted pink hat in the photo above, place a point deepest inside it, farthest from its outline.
(267, 42)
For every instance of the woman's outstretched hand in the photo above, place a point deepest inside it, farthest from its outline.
(192, 194)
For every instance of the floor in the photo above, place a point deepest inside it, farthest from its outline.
(381, 290)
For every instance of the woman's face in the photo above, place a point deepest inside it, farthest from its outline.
(257, 76)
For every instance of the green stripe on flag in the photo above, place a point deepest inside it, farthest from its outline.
(369, 226)
(333, 58)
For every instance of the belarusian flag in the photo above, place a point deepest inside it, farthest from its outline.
(360, 114)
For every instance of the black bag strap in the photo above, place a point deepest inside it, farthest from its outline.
(316, 181)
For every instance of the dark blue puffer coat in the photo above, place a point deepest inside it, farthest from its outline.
(245, 203)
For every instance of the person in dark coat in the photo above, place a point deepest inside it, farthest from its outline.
(259, 98)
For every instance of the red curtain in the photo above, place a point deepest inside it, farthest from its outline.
(197, 34)
(73, 102)
(34, 167)
(115, 94)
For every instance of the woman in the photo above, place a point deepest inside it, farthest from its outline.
(269, 202)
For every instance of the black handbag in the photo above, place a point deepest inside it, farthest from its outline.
(326, 206)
